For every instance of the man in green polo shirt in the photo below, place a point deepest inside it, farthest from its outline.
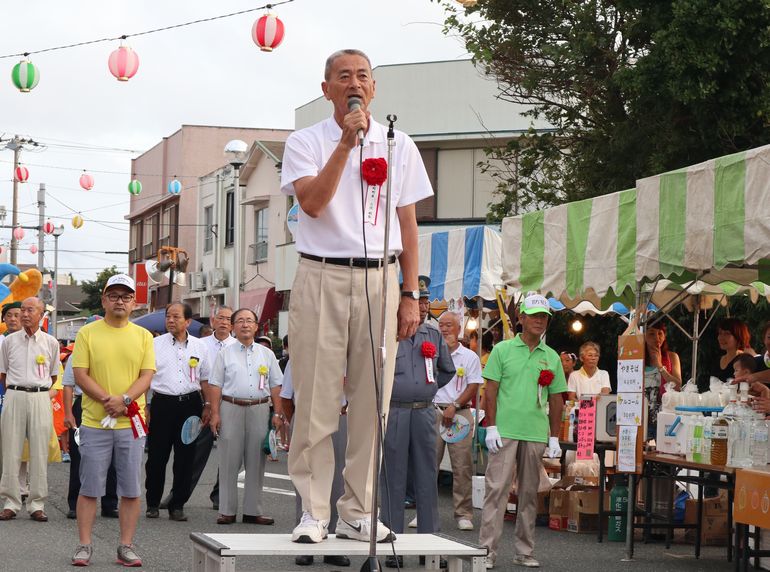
(523, 407)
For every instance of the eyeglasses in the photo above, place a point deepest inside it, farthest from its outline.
(241, 321)
(115, 297)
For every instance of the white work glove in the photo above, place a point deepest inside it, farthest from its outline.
(492, 440)
(554, 450)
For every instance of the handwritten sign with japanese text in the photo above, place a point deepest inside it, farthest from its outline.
(631, 375)
(586, 429)
(627, 449)
(629, 409)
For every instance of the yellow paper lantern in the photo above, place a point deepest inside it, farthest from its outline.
(77, 221)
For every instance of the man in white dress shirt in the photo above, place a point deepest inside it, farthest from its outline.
(29, 364)
(243, 380)
(179, 390)
(454, 399)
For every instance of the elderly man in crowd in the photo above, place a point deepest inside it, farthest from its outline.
(245, 377)
(29, 364)
(179, 391)
(11, 316)
(523, 375)
(453, 401)
(113, 361)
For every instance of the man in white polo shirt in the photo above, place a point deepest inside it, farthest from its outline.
(179, 389)
(340, 238)
(454, 400)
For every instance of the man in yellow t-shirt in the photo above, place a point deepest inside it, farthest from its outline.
(113, 363)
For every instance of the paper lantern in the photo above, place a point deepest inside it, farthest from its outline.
(48, 227)
(267, 32)
(87, 181)
(174, 187)
(22, 174)
(123, 63)
(2, 250)
(18, 233)
(25, 76)
(33, 248)
(77, 221)
(135, 187)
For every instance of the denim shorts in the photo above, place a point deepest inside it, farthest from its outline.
(98, 447)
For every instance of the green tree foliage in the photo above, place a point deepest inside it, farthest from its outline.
(93, 290)
(632, 88)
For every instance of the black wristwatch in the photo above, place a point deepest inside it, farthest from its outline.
(413, 294)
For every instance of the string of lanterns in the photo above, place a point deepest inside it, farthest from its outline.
(123, 63)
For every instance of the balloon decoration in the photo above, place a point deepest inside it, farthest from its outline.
(267, 32)
(48, 227)
(33, 248)
(25, 76)
(123, 63)
(87, 181)
(22, 174)
(174, 187)
(18, 233)
(77, 221)
(135, 187)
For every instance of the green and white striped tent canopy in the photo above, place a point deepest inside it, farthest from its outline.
(709, 222)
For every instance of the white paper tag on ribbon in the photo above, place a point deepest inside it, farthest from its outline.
(372, 204)
(429, 370)
(137, 423)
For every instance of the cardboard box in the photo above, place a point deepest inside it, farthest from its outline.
(583, 523)
(478, 491)
(712, 506)
(714, 530)
(583, 493)
(543, 503)
(556, 522)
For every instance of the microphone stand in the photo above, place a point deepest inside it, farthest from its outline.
(372, 564)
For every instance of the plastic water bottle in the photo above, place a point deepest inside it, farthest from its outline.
(708, 422)
(720, 435)
(697, 439)
(759, 440)
(740, 455)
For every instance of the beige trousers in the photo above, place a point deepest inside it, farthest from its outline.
(25, 416)
(329, 333)
(525, 457)
(460, 455)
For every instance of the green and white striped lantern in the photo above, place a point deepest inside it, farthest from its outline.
(708, 222)
(25, 76)
(135, 187)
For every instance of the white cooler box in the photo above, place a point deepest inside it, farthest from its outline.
(675, 443)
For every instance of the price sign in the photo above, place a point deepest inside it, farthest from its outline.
(629, 409)
(631, 375)
(631, 406)
(586, 429)
(627, 449)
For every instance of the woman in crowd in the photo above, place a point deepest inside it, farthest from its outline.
(568, 363)
(657, 355)
(734, 338)
(589, 379)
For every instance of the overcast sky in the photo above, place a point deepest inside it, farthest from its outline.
(210, 73)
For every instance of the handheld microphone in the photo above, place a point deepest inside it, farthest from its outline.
(354, 103)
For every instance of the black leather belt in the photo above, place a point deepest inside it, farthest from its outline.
(443, 406)
(351, 262)
(28, 389)
(184, 397)
(411, 404)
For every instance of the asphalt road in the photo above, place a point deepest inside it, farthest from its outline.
(26, 545)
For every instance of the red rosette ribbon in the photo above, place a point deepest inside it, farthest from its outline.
(545, 379)
(374, 171)
(429, 352)
(138, 426)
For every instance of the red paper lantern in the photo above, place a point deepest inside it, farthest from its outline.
(267, 32)
(33, 249)
(22, 174)
(18, 233)
(48, 227)
(87, 181)
(123, 63)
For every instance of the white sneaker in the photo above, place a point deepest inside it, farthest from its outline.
(310, 530)
(490, 563)
(526, 561)
(413, 523)
(464, 524)
(361, 530)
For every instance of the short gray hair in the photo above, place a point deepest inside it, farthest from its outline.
(338, 54)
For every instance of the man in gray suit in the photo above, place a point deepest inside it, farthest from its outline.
(423, 365)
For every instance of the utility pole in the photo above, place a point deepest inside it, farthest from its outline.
(40, 224)
(16, 144)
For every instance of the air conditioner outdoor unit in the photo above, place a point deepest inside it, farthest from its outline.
(257, 252)
(217, 278)
(197, 281)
